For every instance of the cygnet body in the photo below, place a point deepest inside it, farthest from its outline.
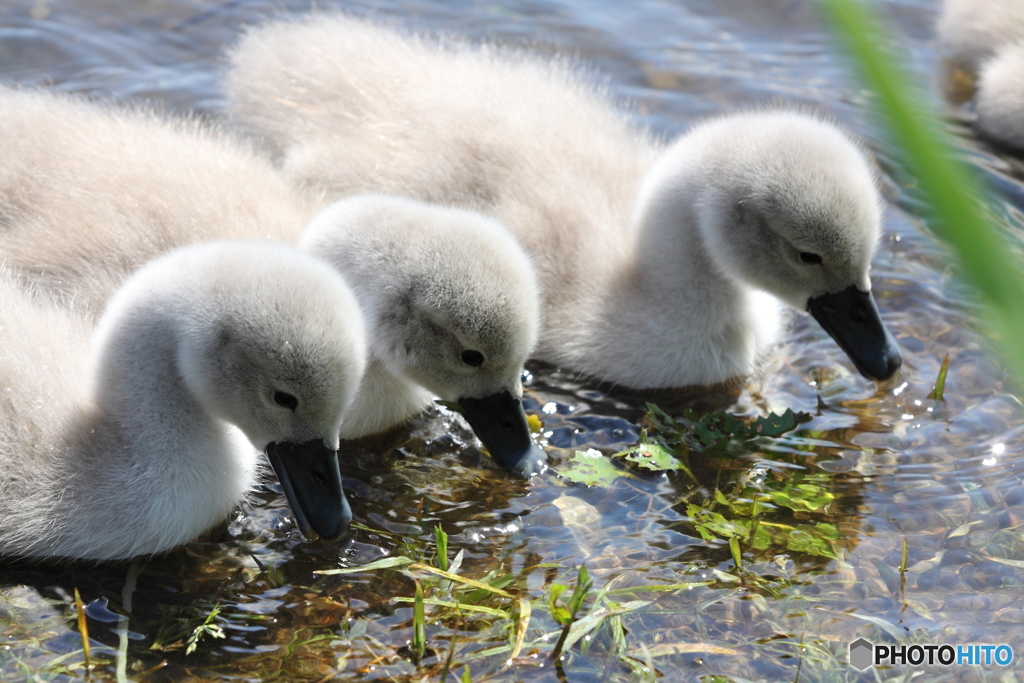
(654, 260)
(985, 41)
(970, 32)
(91, 192)
(149, 436)
(999, 103)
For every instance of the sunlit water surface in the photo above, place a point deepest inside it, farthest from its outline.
(943, 475)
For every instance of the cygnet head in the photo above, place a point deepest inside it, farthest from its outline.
(789, 205)
(452, 305)
(267, 339)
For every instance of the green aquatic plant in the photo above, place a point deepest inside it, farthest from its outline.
(739, 517)
(938, 391)
(740, 526)
(566, 613)
(186, 626)
(715, 433)
(207, 628)
(419, 627)
(441, 541)
(488, 599)
(675, 437)
(83, 631)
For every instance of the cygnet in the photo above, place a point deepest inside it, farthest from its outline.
(89, 192)
(982, 45)
(148, 435)
(660, 265)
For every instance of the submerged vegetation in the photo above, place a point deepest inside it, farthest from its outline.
(432, 610)
(757, 510)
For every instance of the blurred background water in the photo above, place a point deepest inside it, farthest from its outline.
(944, 475)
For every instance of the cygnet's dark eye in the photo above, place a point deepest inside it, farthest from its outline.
(808, 257)
(472, 358)
(286, 400)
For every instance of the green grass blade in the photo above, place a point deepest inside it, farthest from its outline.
(481, 609)
(939, 389)
(457, 578)
(386, 563)
(525, 610)
(83, 632)
(579, 593)
(659, 587)
(737, 554)
(441, 540)
(419, 626)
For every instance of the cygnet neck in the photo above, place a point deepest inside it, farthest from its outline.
(708, 327)
(179, 468)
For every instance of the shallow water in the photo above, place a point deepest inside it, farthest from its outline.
(943, 475)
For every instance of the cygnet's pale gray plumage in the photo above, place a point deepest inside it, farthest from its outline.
(971, 31)
(999, 103)
(434, 282)
(652, 258)
(983, 42)
(150, 437)
(90, 192)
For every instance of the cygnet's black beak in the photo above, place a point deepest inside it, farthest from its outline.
(309, 474)
(851, 318)
(500, 423)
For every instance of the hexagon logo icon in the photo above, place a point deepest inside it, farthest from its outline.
(861, 654)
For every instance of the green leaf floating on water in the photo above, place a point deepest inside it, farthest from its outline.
(776, 425)
(677, 437)
(652, 456)
(593, 468)
(711, 434)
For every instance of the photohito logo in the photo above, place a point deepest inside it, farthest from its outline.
(864, 654)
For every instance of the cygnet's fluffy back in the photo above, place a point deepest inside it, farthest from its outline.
(970, 31)
(90, 192)
(982, 45)
(636, 293)
(999, 103)
(110, 187)
(378, 110)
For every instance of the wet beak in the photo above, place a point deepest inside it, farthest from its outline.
(851, 318)
(309, 474)
(500, 423)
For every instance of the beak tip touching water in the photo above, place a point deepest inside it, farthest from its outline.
(500, 423)
(889, 361)
(531, 462)
(311, 480)
(851, 318)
